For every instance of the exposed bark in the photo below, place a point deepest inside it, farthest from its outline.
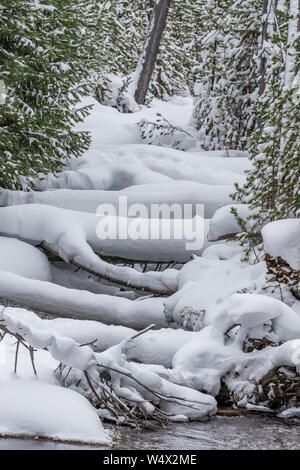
(150, 49)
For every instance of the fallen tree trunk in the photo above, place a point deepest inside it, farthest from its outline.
(113, 280)
(53, 299)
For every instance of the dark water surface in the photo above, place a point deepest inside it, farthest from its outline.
(243, 432)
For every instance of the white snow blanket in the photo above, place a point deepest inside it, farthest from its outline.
(224, 223)
(50, 298)
(190, 403)
(23, 259)
(73, 234)
(205, 282)
(168, 192)
(29, 408)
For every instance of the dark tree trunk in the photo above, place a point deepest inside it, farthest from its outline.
(150, 48)
(262, 66)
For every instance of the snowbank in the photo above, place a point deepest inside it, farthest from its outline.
(223, 223)
(35, 409)
(23, 259)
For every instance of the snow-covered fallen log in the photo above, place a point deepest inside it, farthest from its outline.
(153, 347)
(129, 383)
(70, 229)
(63, 302)
(120, 166)
(74, 236)
(170, 192)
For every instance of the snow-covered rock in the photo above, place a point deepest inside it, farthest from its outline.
(282, 238)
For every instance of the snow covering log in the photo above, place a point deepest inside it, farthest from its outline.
(102, 169)
(75, 233)
(132, 390)
(74, 236)
(150, 49)
(106, 277)
(70, 303)
(153, 347)
(173, 192)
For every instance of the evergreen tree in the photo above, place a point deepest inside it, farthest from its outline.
(46, 57)
(273, 185)
(226, 78)
(124, 24)
(178, 51)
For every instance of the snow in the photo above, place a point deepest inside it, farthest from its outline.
(153, 347)
(206, 281)
(202, 312)
(204, 360)
(282, 238)
(30, 408)
(120, 166)
(50, 298)
(290, 413)
(23, 259)
(75, 234)
(121, 128)
(170, 192)
(224, 223)
(191, 403)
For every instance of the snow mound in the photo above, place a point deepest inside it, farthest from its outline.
(206, 281)
(282, 238)
(224, 222)
(202, 362)
(48, 411)
(116, 167)
(23, 259)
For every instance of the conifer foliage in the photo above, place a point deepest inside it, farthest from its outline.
(46, 58)
(227, 72)
(273, 185)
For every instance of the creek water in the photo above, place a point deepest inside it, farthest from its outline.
(242, 432)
